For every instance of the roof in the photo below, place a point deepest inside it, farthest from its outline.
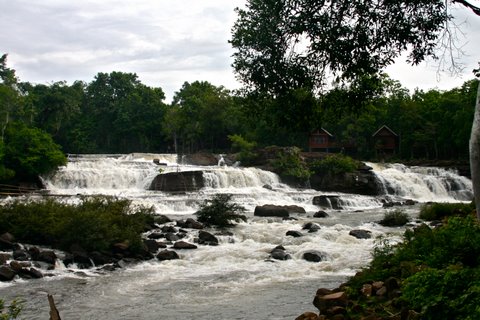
(324, 130)
(387, 128)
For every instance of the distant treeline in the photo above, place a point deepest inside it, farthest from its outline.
(116, 113)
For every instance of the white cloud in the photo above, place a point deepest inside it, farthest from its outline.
(165, 42)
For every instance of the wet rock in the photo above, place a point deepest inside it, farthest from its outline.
(4, 257)
(152, 245)
(99, 258)
(167, 255)
(270, 210)
(190, 224)
(34, 253)
(294, 233)
(184, 245)
(325, 302)
(6, 273)
(7, 241)
(328, 201)
(17, 266)
(311, 227)
(279, 253)
(169, 229)
(314, 256)
(320, 214)
(79, 257)
(21, 255)
(121, 248)
(294, 209)
(184, 181)
(47, 256)
(161, 219)
(308, 316)
(30, 273)
(207, 238)
(361, 234)
(171, 237)
(156, 235)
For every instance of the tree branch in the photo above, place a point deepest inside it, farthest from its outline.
(475, 9)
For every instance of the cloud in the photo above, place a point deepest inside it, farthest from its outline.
(165, 42)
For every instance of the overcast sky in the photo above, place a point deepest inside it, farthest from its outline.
(164, 42)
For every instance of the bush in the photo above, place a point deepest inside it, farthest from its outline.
(12, 311)
(438, 211)
(334, 164)
(289, 163)
(245, 148)
(95, 224)
(395, 218)
(220, 211)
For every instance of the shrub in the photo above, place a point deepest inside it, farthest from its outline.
(95, 224)
(289, 163)
(220, 211)
(245, 149)
(395, 218)
(334, 164)
(438, 211)
(12, 311)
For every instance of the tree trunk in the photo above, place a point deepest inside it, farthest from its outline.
(475, 154)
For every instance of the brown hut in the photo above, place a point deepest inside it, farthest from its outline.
(385, 141)
(321, 140)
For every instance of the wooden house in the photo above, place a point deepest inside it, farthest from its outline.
(323, 141)
(385, 141)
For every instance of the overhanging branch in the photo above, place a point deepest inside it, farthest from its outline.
(465, 3)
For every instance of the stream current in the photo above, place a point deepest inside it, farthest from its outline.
(235, 280)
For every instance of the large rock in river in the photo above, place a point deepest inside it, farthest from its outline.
(270, 210)
(183, 181)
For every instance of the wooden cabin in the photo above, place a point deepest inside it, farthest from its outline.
(322, 141)
(385, 141)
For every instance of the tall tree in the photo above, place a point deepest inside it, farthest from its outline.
(289, 44)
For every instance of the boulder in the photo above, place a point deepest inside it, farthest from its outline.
(7, 241)
(183, 181)
(21, 255)
(17, 266)
(34, 253)
(361, 181)
(184, 245)
(6, 273)
(170, 229)
(190, 223)
(207, 238)
(294, 233)
(314, 256)
(320, 214)
(325, 302)
(167, 255)
(270, 210)
(47, 256)
(294, 209)
(152, 245)
(308, 316)
(279, 253)
(156, 235)
(361, 234)
(99, 258)
(78, 256)
(328, 201)
(311, 227)
(161, 219)
(30, 273)
(171, 236)
(4, 257)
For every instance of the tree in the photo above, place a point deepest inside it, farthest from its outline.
(283, 45)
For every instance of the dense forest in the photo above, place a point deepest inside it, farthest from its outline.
(116, 113)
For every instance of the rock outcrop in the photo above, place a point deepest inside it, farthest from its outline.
(183, 181)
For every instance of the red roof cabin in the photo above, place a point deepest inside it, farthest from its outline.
(385, 141)
(321, 140)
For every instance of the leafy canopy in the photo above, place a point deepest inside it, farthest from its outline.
(282, 45)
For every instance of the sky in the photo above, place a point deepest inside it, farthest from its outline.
(164, 42)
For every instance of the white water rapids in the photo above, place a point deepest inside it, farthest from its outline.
(235, 280)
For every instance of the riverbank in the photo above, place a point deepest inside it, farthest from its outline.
(433, 274)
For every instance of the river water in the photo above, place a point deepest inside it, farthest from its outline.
(235, 280)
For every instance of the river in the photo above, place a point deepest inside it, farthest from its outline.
(235, 280)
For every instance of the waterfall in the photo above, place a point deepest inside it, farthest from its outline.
(423, 183)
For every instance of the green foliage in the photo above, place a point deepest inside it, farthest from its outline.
(12, 312)
(394, 218)
(220, 211)
(289, 163)
(334, 164)
(438, 211)
(246, 153)
(95, 224)
(450, 293)
(30, 151)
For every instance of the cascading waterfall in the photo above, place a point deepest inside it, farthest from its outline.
(423, 183)
(237, 278)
